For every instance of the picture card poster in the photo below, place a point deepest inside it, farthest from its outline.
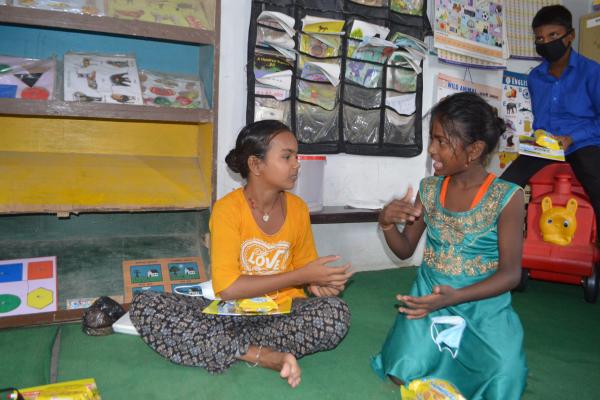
(471, 27)
(517, 114)
(28, 286)
(27, 78)
(166, 275)
(101, 78)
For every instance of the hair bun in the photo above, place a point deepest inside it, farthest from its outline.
(232, 161)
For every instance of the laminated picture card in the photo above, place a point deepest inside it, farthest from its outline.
(101, 78)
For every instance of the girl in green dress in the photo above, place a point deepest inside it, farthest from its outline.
(457, 322)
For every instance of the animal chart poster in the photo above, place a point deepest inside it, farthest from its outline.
(515, 110)
(471, 27)
(101, 78)
(28, 286)
(165, 275)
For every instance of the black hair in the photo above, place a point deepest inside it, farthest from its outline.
(253, 140)
(553, 15)
(468, 117)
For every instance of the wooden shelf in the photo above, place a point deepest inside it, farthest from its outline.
(341, 215)
(60, 183)
(57, 108)
(57, 19)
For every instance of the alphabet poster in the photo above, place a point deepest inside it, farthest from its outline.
(28, 286)
(516, 112)
(166, 275)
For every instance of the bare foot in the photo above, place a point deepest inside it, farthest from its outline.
(285, 363)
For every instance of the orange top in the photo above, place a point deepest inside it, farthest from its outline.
(240, 247)
(480, 193)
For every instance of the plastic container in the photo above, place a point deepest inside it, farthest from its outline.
(309, 185)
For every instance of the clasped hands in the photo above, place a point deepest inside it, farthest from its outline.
(324, 280)
(413, 307)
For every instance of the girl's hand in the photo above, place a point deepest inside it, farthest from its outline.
(319, 274)
(419, 307)
(325, 291)
(400, 211)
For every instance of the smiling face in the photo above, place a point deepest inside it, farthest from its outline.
(280, 166)
(448, 155)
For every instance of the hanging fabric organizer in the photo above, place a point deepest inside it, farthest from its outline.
(325, 68)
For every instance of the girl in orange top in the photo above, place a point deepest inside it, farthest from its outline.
(261, 244)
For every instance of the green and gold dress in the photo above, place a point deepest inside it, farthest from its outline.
(461, 250)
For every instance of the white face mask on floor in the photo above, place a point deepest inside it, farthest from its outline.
(450, 337)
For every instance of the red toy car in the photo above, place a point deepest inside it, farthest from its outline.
(560, 243)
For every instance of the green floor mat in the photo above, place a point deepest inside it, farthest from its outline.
(561, 333)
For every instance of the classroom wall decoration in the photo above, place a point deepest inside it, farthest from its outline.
(516, 111)
(165, 275)
(345, 75)
(472, 28)
(519, 14)
(28, 286)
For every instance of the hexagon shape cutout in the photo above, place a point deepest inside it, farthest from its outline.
(40, 298)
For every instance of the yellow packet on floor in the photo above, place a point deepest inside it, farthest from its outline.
(430, 389)
(82, 389)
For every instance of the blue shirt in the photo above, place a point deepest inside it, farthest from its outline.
(569, 105)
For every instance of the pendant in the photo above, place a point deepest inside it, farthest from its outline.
(265, 217)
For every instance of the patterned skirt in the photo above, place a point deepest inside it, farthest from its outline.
(175, 327)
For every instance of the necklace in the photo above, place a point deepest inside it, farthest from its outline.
(265, 214)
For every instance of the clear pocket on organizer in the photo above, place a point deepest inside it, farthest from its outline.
(411, 7)
(361, 126)
(315, 124)
(321, 94)
(398, 129)
(365, 74)
(376, 54)
(402, 103)
(320, 46)
(303, 59)
(266, 36)
(372, 3)
(270, 108)
(362, 97)
(401, 79)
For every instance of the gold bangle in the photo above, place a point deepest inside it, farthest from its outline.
(387, 227)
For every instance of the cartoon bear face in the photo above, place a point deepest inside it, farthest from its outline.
(558, 224)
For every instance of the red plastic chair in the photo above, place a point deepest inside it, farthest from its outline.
(578, 262)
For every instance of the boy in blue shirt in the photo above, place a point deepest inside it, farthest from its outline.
(565, 99)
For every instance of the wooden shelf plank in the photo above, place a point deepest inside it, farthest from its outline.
(341, 215)
(57, 19)
(36, 182)
(57, 108)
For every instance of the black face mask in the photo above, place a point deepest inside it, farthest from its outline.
(554, 50)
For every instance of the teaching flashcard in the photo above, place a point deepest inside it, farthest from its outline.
(188, 13)
(172, 90)
(28, 286)
(27, 78)
(166, 275)
(101, 78)
(89, 7)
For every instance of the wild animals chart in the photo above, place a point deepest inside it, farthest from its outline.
(28, 286)
(166, 275)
